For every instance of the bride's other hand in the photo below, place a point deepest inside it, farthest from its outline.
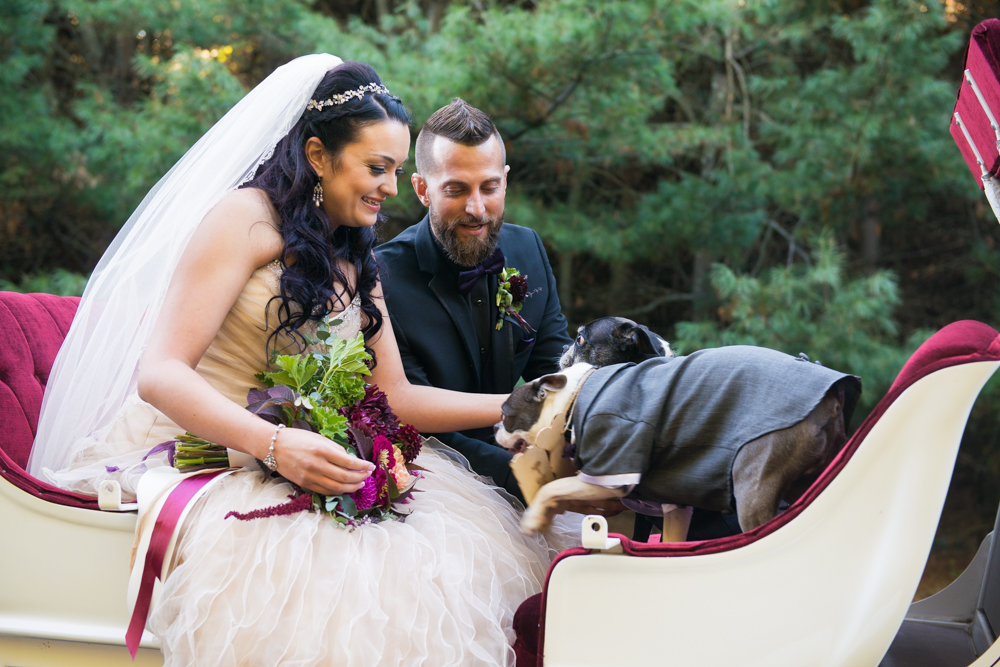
(318, 464)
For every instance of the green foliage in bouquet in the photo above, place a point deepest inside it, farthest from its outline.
(324, 391)
(332, 379)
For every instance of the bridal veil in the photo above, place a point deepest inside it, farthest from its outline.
(94, 374)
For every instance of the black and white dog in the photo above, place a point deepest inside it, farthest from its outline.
(614, 340)
(741, 426)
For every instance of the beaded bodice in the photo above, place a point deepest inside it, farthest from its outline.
(241, 347)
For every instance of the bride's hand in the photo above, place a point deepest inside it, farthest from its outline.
(318, 464)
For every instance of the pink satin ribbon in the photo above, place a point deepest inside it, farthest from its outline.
(163, 530)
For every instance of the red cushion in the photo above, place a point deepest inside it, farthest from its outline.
(982, 59)
(958, 343)
(32, 328)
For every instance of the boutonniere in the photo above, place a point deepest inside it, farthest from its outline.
(512, 290)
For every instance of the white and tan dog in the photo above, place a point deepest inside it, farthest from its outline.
(779, 465)
(529, 415)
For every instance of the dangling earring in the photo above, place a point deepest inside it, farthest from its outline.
(318, 194)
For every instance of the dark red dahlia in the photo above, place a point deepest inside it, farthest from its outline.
(409, 442)
(518, 288)
(373, 417)
(372, 414)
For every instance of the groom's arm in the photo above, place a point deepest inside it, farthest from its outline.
(551, 337)
(486, 458)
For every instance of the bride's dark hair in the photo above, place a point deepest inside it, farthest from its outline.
(310, 240)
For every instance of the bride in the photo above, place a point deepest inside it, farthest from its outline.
(263, 228)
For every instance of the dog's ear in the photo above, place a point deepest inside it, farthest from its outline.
(547, 383)
(623, 335)
(644, 342)
(637, 341)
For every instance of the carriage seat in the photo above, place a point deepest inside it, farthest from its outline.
(956, 344)
(32, 328)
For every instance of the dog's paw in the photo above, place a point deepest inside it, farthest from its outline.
(534, 521)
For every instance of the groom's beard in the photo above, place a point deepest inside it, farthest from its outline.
(466, 251)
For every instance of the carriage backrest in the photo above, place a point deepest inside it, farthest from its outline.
(32, 328)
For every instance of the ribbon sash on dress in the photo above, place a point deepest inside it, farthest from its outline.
(166, 523)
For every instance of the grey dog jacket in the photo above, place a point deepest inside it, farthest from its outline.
(673, 426)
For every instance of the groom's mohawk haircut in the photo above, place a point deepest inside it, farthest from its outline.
(460, 122)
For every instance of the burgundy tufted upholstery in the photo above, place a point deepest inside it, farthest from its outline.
(982, 59)
(32, 327)
(958, 343)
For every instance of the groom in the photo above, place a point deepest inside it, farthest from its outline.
(441, 285)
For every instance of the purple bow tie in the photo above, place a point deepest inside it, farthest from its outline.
(492, 265)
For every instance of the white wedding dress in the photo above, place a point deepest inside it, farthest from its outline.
(439, 589)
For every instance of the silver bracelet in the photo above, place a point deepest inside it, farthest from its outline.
(269, 461)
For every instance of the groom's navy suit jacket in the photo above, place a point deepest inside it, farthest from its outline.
(436, 332)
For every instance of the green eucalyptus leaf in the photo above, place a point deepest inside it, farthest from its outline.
(348, 505)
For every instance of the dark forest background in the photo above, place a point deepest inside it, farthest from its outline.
(774, 172)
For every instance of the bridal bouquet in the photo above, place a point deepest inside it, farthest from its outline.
(325, 392)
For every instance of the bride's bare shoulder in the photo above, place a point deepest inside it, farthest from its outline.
(248, 207)
(246, 218)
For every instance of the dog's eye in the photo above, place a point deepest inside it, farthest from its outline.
(580, 341)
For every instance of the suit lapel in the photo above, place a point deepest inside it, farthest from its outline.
(444, 287)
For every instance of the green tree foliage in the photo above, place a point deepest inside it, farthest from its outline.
(100, 98)
(648, 139)
(811, 310)
(774, 172)
(59, 281)
(768, 171)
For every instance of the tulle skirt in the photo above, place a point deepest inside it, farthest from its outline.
(440, 588)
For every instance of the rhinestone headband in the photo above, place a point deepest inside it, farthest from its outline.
(346, 97)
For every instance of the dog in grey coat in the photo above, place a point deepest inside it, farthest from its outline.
(780, 465)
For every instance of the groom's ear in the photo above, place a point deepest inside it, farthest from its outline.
(420, 187)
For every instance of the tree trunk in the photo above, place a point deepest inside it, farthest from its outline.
(701, 287)
(124, 52)
(435, 13)
(382, 9)
(566, 256)
(565, 284)
(618, 294)
(871, 236)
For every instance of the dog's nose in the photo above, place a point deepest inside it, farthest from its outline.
(496, 427)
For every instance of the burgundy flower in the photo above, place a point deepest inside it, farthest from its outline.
(381, 478)
(382, 455)
(385, 460)
(409, 442)
(372, 414)
(518, 288)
